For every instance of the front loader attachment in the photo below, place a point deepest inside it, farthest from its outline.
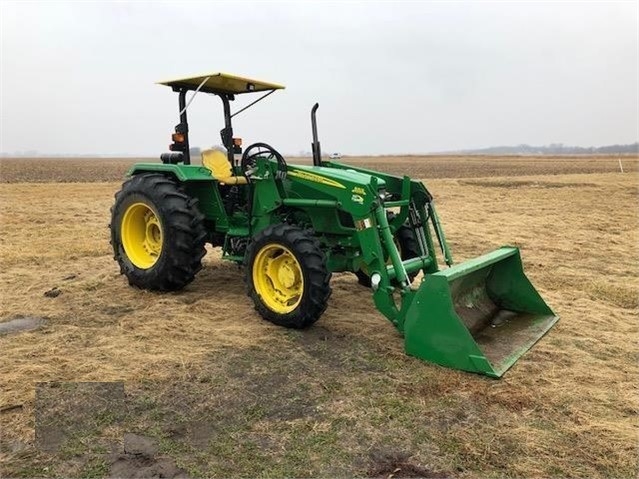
(478, 316)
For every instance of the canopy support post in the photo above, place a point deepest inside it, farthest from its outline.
(184, 125)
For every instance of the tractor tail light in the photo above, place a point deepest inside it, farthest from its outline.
(237, 146)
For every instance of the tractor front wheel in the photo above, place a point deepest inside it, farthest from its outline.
(157, 233)
(287, 277)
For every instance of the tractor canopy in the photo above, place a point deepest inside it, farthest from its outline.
(224, 86)
(221, 83)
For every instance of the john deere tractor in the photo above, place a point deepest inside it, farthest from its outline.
(293, 225)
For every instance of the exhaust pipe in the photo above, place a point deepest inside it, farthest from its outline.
(315, 146)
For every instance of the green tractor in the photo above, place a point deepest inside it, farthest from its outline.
(291, 226)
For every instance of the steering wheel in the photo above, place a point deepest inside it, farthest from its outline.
(249, 159)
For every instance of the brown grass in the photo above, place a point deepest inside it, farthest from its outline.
(227, 394)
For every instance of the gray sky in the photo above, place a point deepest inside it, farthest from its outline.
(389, 77)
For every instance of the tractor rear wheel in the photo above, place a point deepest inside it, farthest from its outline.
(157, 233)
(408, 248)
(287, 277)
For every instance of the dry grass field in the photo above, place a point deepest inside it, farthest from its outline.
(39, 170)
(121, 382)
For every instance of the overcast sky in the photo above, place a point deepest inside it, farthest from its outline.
(390, 77)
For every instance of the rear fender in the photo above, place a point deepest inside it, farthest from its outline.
(179, 172)
(198, 183)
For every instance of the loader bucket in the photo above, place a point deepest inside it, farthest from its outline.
(478, 316)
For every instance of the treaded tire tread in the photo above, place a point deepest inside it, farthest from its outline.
(183, 232)
(312, 260)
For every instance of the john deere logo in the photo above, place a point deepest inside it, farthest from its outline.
(358, 190)
(305, 175)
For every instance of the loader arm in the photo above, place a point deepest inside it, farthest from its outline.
(479, 316)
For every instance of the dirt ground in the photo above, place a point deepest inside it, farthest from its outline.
(107, 380)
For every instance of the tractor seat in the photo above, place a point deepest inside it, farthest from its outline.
(216, 161)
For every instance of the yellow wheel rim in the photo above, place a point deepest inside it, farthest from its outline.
(278, 278)
(141, 234)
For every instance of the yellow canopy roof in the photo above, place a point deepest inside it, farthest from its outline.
(222, 83)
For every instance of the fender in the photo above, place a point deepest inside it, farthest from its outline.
(184, 173)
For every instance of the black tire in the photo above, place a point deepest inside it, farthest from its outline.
(312, 262)
(181, 226)
(408, 248)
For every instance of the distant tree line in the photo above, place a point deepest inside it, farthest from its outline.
(555, 149)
